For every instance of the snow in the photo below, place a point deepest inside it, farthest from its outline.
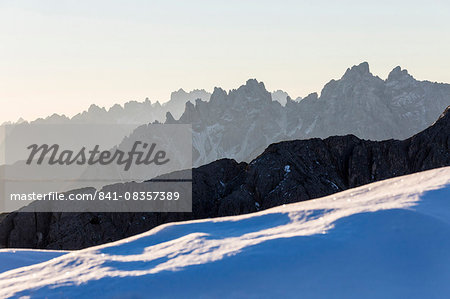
(287, 168)
(15, 258)
(390, 239)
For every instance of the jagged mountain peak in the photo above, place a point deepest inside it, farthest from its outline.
(254, 82)
(252, 85)
(398, 74)
(96, 109)
(361, 69)
(253, 91)
(218, 95)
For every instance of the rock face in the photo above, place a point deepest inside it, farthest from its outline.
(285, 172)
(241, 123)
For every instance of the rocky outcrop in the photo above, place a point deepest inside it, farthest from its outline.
(285, 172)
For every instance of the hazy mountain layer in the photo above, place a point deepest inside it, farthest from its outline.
(132, 112)
(240, 123)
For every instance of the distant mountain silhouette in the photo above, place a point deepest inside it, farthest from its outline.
(240, 123)
(132, 112)
(135, 112)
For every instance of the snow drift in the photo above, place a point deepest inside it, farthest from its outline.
(388, 239)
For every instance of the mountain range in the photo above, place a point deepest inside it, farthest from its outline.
(286, 172)
(135, 112)
(244, 161)
(132, 112)
(241, 123)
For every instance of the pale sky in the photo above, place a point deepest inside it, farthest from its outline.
(63, 55)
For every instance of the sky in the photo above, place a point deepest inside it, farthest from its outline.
(62, 56)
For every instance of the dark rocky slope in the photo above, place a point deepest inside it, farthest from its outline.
(285, 172)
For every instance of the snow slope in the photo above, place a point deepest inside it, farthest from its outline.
(389, 239)
(16, 258)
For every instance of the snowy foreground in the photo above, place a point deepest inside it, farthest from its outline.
(389, 239)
